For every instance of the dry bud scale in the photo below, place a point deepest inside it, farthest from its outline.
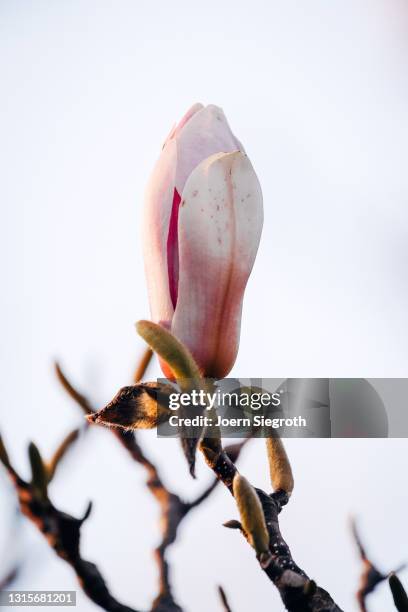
(201, 229)
(141, 406)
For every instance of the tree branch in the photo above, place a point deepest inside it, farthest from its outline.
(62, 532)
(7, 580)
(298, 592)
(142, 365)
(61, 451)
(80, 399)
(172, 508)
(224, 599)
(370, 576)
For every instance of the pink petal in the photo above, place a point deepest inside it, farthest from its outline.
(155, 233)
(189, 114)
(172, 249)
(177, 127)
(205, 133)
(220, 223)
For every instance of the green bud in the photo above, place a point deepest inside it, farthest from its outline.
(173, 352)
(251, 513)
(279, 466)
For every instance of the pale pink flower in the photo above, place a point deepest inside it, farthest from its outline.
(201, 230)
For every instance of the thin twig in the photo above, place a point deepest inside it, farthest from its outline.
(9, 578)
(61, 451)
(203, 496)
(224, 599)
(80, 399)
(142, 365)
(370, 576)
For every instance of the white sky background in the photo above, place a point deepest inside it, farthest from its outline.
(317, 92)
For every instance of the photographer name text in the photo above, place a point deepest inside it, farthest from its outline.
(224, 421)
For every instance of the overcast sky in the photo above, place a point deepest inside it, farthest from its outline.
(318, 94)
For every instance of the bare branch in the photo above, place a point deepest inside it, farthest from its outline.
(292, 582)
(203, 496)
(60, 453)
(142, 365)
(132, 401)
(171, 506)
(172, 512)
(357, 540)
(224, 599)
(172, 509)
(80, 399)
(370, 576)
(297, 591)
(62, 532)
(39, 480)
(9, 578)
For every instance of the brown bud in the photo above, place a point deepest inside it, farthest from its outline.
(38, 470)
(232, 524)
(142, 406)
(252, 515)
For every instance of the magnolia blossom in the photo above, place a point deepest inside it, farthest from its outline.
(201, 230)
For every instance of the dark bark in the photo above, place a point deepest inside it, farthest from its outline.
(298, 592)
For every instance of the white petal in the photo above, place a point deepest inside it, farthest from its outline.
(220, 223)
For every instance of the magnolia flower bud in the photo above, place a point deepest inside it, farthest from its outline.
(252, 515)
(279, 466)
(201, 230)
